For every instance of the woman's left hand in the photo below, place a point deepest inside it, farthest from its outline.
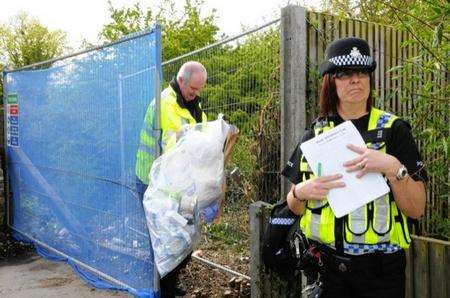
(370, 161)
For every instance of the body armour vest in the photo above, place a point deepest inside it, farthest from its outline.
(379, 221)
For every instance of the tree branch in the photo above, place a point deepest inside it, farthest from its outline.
(408, 14)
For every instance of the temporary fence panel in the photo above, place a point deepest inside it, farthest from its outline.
(243, 84)
(73, 132)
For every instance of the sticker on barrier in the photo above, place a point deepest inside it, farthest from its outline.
(13, 120)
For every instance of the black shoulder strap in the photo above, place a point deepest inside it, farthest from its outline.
(338, 234)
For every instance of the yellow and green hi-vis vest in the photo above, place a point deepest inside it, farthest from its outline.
(173, 117)
(379, 221)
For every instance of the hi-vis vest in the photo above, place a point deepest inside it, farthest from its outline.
(173, 117)
(379, 221)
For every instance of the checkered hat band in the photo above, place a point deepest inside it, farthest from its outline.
(282, 221)
(349, 60)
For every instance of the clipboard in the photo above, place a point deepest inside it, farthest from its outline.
(329, 150)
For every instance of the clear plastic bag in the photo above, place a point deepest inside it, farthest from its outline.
(184, 183)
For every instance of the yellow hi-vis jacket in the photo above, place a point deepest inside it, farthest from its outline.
(379, 221)
(173, 117)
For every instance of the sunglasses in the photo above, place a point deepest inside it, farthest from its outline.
(348, 73)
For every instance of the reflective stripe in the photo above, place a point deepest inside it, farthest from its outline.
(357, 225)
(381, 221)
(315, 224)
(146, 139)
(370, 236)
(147, 149)
(149, 130)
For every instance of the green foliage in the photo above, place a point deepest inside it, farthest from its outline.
(182, 31)
(26, 41)
(249, 81)
(341, 8)
(243, 84)
(225, 232)
(428, 24)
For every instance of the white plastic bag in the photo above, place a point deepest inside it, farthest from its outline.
(183, 182)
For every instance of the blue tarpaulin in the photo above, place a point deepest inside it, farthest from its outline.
(72, 137)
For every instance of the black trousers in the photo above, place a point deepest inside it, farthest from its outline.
(372, 275)
(170, 280)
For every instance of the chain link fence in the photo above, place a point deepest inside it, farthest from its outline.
(243, 85)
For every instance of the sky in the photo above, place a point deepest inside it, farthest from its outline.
(83, 19)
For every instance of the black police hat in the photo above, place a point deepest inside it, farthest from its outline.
(345, 53)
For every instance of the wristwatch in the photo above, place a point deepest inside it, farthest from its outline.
(402, 173)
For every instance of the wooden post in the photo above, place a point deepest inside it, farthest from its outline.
(293, 82)
(266, 283)
(437, 270)
(421, 278)
(430, 270)
(409, 272)
(257, 219)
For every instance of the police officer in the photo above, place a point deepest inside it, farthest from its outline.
(363, 252)
(180, 105)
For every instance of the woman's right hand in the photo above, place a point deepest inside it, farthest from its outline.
(318, 188)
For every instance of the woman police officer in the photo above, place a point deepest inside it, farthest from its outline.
(363, 252)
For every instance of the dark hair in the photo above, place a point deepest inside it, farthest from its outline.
(329, 100)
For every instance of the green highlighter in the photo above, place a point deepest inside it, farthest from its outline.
(319, 169)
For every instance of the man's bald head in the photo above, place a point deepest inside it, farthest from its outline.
(192, 79)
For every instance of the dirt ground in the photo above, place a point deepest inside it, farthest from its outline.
(23, 273)
(29, 276)
(203, 281)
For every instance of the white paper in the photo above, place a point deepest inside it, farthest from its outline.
(330, 149)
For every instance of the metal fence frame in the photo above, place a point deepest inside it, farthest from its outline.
(216, 45)
(7, 196)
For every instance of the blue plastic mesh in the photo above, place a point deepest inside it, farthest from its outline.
(71, 157)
